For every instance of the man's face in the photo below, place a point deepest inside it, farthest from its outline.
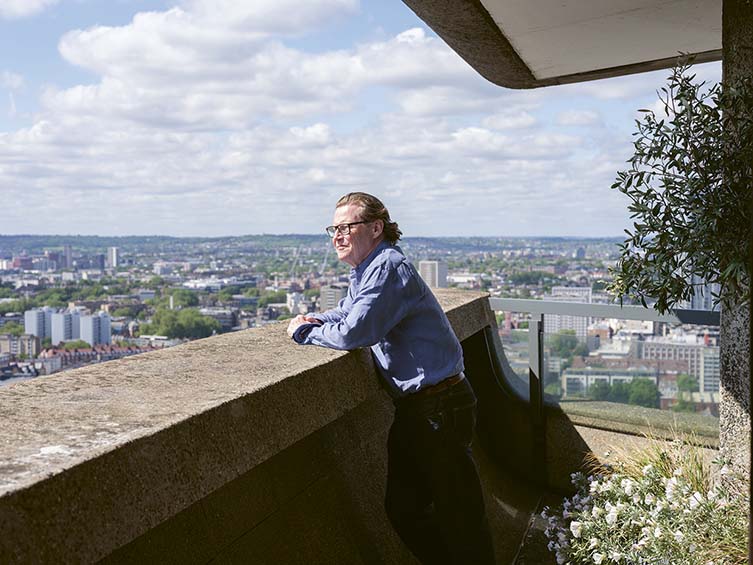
(363, 238)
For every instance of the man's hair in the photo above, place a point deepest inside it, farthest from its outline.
(373, 209)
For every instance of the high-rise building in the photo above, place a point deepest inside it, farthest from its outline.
(96, 329)
(112, 257)
(61, 327)
(66, 326)
(434, 273)
(68, 252)
(38, 322)
(553, 323)
(330, 296)
(704, 295)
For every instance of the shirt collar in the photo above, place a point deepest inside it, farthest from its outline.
(358, 271)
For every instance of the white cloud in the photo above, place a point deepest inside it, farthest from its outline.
(12, 81)
(204, 121)
(517, 118)
(15, 9)
(578, 118)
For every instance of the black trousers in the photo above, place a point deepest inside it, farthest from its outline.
(434, 498)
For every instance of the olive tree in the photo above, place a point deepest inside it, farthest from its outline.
(689, 184)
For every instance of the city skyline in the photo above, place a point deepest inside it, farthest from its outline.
(203, 119)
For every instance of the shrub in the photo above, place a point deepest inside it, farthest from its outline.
(657, 506)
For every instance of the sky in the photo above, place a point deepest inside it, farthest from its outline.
(226, 117)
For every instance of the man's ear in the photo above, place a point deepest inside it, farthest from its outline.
(378, 228)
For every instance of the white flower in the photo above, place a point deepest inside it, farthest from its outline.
(677, 472)
(669, 489)
(594, 487)
(593, 542)
(612, 515)
(615, 556)
(724, 470)
(679, 536)
(649, 500)
(576, 528)
(596, 511)
(598, 557)
(627, 486)
(647, 469)
(696, 500)
(657, 532)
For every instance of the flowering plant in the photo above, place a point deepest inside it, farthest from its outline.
(659, 506)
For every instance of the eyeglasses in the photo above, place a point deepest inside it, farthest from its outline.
(344, 229)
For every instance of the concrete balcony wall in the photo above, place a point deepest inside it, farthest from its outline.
(242, 448)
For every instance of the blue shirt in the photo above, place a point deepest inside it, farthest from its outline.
(391, 309)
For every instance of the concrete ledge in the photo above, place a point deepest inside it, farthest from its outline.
(93, 458)
(637, 420)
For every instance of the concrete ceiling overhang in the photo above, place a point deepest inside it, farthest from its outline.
(533, 43)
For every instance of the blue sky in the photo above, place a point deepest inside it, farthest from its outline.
(225, 118)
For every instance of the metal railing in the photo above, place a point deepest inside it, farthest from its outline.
(539, 308)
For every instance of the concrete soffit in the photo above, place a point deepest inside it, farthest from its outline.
(535, 43)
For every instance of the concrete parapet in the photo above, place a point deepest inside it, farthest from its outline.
(237, 445)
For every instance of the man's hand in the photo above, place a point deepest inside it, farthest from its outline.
(298, 321)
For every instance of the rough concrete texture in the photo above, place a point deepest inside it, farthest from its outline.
(734, 410)
(93, 458)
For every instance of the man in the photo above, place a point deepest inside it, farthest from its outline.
(434, 498)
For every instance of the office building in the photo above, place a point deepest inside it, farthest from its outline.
(113, 259)
(554, 323)
(330, 296)
(434, 273)
(702, 361)
(68, 253)
(704, 295)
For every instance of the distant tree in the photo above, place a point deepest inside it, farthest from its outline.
(156, 283)
(251, 292)
(12, 328)
(686, 385)
(599, 390)
(225, 295)
(78, 344)
(619, 392)
(123, 312)
(186, 323)
(564, 343)
(553, 389)
(47, 342)
(183, 298)
(273, 298)
(311, 293)
(643, 392)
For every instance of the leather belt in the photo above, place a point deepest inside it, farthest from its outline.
(444, 384)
